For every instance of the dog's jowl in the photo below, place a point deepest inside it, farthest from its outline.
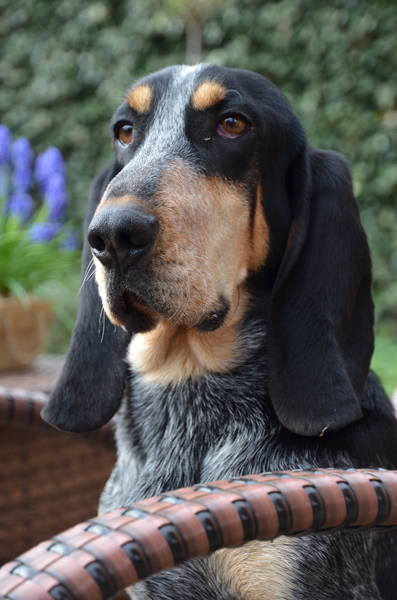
(236, 280)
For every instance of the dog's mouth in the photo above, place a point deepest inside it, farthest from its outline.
(136, 315)
(215, 317)
(127, 300)
(133, 313)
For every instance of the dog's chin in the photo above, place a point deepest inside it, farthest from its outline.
(136, 316)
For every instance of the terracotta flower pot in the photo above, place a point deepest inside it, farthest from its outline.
(23, 328)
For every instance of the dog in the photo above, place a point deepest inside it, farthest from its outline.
(235, 276)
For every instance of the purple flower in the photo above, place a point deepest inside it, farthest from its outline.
(71, 241)
(22, 180)
(20, 205)
(22, 153)
(22, 159)
(5, 145)
(56, 197)
(48, 164)
(43, 232)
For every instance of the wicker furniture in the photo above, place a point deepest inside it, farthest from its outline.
(95, 559)
(49, 480)
(40, 377)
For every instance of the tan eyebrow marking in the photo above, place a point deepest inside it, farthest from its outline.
(140, 98)
(208, 94)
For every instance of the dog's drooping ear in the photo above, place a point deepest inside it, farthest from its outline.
(320, 323)
(91, 385)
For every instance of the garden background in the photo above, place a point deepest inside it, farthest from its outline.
(66, 65)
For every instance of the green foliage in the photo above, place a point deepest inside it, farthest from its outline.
(42, 269)
(187, 9)
(384, 361)
(65, 66)
(24, 265)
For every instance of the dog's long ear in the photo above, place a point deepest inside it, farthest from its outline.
(91, 385)
(320, 324)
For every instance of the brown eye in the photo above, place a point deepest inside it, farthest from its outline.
(232, 127)
(124, 134)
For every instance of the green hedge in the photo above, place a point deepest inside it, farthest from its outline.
(65, 66)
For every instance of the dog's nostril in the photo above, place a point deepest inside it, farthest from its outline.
(97, 243)
(135, 231)
(130, 242)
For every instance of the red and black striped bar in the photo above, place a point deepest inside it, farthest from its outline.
(96, 559)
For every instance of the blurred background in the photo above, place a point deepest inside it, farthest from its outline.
(66, 65)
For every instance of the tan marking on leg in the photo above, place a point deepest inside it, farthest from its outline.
(260, 235)
(140, 98)
(258, 570)
(170, 354)
(208, 94)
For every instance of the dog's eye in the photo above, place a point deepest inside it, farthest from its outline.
(232, 126)
(124, 133)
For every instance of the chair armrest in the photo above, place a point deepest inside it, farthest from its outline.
(103, 555)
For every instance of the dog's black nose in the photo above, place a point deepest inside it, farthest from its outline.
(121, 234)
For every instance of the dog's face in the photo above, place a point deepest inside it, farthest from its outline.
(217, 212)
(183, 225)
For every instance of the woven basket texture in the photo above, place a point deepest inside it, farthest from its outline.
(48, 482)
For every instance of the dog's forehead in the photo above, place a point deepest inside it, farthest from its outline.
(164, 95)
(172, 88)
(171, 103)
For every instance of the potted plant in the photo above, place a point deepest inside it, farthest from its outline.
(36, 246)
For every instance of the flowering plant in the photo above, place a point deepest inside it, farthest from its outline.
(36, 245)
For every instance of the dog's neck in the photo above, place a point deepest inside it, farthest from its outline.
(170, 353)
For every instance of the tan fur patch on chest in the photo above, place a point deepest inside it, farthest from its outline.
(170, 354)
(258, 570)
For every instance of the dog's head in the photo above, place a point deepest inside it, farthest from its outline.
(182, 225)
(215, 193)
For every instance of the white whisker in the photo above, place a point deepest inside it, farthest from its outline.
(102, 324)
(89, 274)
